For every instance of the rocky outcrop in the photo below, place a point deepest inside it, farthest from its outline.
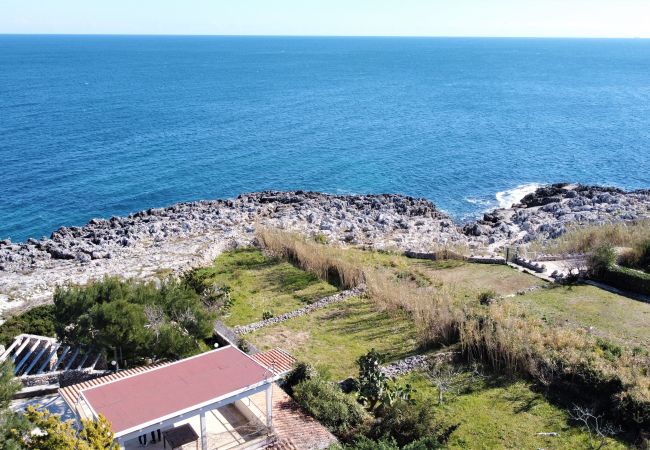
(546, 213)
(185, 235)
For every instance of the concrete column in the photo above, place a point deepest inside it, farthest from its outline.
(269, 406)
(204, 432)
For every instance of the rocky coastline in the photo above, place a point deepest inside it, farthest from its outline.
(173, 239)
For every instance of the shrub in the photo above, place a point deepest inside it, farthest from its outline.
(39, 320)
(609, 350)
(365, 443)
(301, 372)
(405, 423)
(429, 442)
(486, 297)
(244, 345)
(626, 279)
(215, 296)
(266, 315)
(329, 405)
(320, 238)
(601, 259)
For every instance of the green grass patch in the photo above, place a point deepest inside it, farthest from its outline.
(260, 284)
(611, 316)
(333, 338)
(493, 412)
(470, 278)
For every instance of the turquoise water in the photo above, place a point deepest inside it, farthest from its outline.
(100, 126)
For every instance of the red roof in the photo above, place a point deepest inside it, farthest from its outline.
(147, 397)
(277, 360)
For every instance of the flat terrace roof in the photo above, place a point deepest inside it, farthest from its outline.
(164, 392)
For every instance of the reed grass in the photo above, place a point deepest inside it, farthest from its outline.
(316, 258)
(581, 239)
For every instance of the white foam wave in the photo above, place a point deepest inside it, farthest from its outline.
(478, 201)
(511, 196)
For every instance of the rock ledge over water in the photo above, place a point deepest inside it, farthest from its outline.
(186, 235)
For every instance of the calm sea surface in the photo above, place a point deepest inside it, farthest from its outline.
(98, 126)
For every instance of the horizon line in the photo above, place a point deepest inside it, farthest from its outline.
(330, 36)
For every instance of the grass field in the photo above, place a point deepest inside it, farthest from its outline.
(334, 337)
(261, 284)
(497, 413)
(611, 316)
(469, 279)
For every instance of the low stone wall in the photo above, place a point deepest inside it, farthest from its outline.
(528, 264)
(325, 301)
(487, 260)
(448, 254)
(412, 363)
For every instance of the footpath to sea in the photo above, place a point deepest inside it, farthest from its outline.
(185, 235)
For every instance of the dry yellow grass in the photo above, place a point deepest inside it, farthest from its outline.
(584, 239)
(316, 258)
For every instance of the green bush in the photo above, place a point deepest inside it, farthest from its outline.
(426, 443)
(626, 279)
(601, 260)
(329, 405)
(405, 423)
(214, 295)
(301, 372)
(266, 315)
(486, 297)
(610, 351)
(39, 320)
(244, 345)
(135, 319)
(365, 443)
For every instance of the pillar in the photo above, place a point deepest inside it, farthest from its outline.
(269, 406)
(204, 432)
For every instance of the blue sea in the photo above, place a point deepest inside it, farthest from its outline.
(106, 125)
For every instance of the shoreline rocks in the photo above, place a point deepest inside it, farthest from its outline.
(173, 239)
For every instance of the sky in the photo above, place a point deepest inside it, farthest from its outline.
(497, 18)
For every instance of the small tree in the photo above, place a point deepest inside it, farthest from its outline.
(12, 425)
(48, 431)
(445, 377)
(97, 433)
(599, 430)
